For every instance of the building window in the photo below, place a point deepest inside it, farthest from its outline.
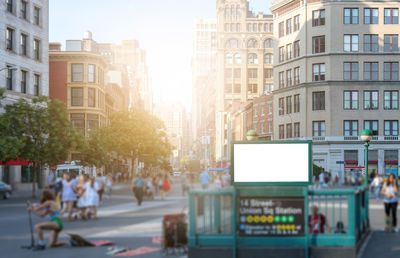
(9, 78)
(289, 77)
(288, 26)
(91, 97)
(232, 44)
(78, 121)
(10, 39)
(229, 59)
(24, 8)
(391, 127)
(23, 80)
(233, 27)
(371, 71)
(371, 43)
(255, 27)
(318, 18)
(281, 54)
(371, 125)
(252, 58)
(36, 15)
(269, 108)
(252, 73)
(255, 110)
(228, 88)
(318, 44)
(350, 99)
(318, 128)
(36, 49)
(91, 73)
(391, 43)
(350, 128)
(249, 27)
(350, 15)
(281, 106)
(10, 5)
(252, 43)
(227, 27)
(289, 131)
(228, 73)
(391, 15)
(271, 27)
(268, 73)
(252, 88)
(350, 71)
(370, 15)
(318, 72)
(263, 110)
(268, 43)
(296, 106)
(391, 100)
(350, 43)
(288, 104)
(288, 51)
(296, 75)
(296, 23)
(281, 80)
(268, 59)
(296, 48)
(281, 131)
(268, 88)
(391, 71)
(318, 100)
(281, 29)
(262, 124)
(36, 85)
(236, 73)
(237, 58)
(77, 72)
(237, 88)
(266, 26)
(296, 130)
(23, 46)
(371, 99)
(77, 97)
(238, 27)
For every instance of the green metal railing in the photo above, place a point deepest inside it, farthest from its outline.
(212, 218)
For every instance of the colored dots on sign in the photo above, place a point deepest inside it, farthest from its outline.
(291, 219)
(249, 219)
(277, 219)
(263, 219)
(284, 219)
(270, 219)
(256, 219)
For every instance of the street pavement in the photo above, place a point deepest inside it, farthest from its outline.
(126, 224)
(121, 221)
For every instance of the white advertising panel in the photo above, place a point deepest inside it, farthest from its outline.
(271, 163)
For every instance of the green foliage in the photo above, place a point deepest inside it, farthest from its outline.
(96, 150)
(317, 170)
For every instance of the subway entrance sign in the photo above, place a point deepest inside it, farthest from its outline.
(271, 216)
(270, 179)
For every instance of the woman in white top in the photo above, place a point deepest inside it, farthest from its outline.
(68, 194)
(91, 198)
(389, 191)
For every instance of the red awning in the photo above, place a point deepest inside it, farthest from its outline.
(17, 162)
(391, 161)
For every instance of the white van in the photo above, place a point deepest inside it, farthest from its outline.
(69, 168)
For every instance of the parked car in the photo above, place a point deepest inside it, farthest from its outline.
(5, 190)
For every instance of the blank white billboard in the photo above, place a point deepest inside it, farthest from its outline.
(271, 163)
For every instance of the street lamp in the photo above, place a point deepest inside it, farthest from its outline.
(366, 137)
(252, 135)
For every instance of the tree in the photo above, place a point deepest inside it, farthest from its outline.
(41, 131)
(96, 150)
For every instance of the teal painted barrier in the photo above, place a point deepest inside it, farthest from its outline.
(212, 219)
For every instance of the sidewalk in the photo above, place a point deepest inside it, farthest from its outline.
(381, 244)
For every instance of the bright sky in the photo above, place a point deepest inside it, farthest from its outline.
(164, 29)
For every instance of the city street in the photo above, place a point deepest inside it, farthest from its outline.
(128, 225)
(121, 221)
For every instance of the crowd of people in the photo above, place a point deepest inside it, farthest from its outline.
(150, 185)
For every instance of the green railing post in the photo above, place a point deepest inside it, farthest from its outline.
(306, 241)
(351, 214)
(234, 214)
(217, 214)
(192, 216)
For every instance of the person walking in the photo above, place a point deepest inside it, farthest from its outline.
(109, 183)
(218, 182)
(68, 194)
(81, 204)
(166, 186)
(92, 198)
(51, 179)
(49, 207)
(389, 192)
(376, 185)
(138, 187)
(204, 177)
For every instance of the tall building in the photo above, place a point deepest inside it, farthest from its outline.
(336, 73)
(244, 64)
(24, 70)
(204, 82)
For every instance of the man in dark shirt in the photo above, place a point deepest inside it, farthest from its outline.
(138, 188)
